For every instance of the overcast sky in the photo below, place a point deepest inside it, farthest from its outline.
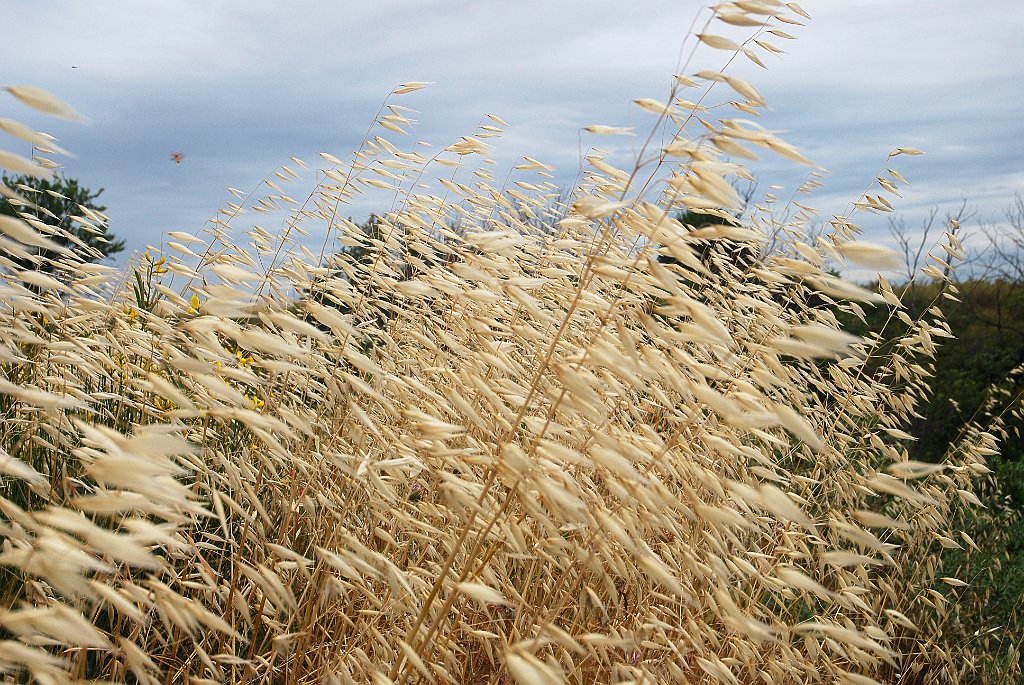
(240, 87)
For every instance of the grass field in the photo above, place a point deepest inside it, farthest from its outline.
(493, 439)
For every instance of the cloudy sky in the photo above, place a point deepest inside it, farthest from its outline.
(240, 87)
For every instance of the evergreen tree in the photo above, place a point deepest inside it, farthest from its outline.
(57, 203)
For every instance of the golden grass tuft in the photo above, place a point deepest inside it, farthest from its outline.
(493, 438)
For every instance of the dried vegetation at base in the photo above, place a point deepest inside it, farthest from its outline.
(504, 442)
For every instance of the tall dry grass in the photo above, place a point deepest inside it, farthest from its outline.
(496, 440)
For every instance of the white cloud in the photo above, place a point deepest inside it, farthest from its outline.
(240, 86)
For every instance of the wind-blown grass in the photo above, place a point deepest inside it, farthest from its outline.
(500, 439)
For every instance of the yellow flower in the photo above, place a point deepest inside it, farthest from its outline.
(156, 267)
(164, 405)
(195, 304)
(131, 312)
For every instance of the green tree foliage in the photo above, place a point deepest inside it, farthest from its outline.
(978, 377)
(59, 202)
(975, 367)
(711, 252)
(350, 264)
(372, 241)
(367, 259)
